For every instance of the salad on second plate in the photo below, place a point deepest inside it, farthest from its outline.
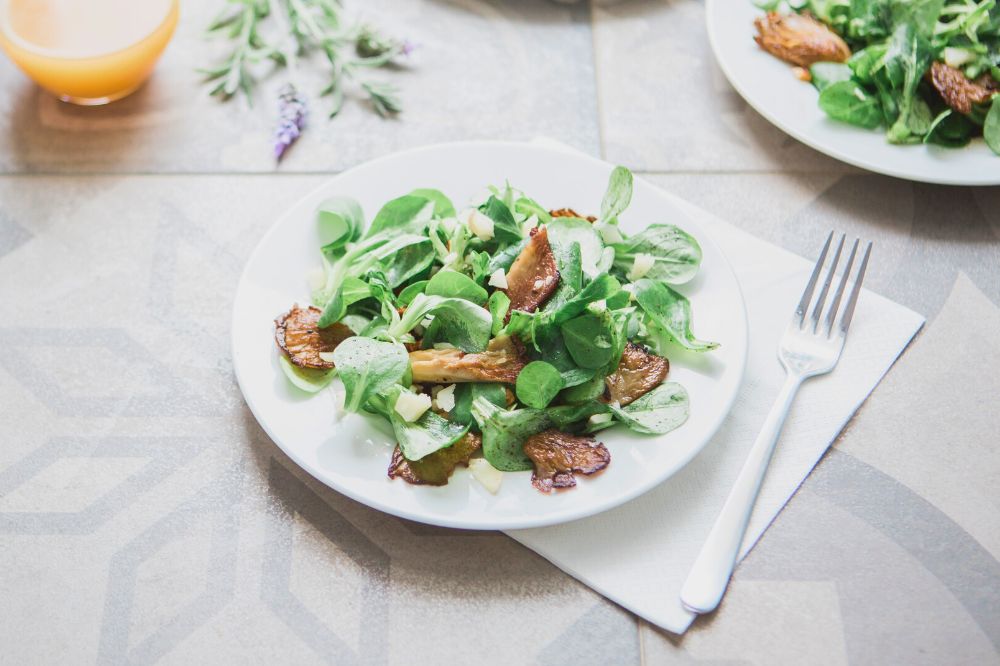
(503, 336)
(925, 70)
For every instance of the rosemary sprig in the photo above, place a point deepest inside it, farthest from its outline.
(350, 50)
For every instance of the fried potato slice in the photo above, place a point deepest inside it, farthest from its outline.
(302, 340)
(958, 92)
(558, 456)
(638, 373)
(501, 362)
(533, 276)
(436, 468)
(799, 39)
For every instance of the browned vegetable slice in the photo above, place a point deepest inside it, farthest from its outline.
(958, 92)
(638, 373)
(569, 212)
(557, 456)
(436, 468)
(799, 39)
(302, 340)
(501, 362)
(533, 276)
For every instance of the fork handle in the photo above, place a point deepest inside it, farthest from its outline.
(710, 574)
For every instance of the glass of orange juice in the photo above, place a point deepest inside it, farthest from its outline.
(87, 51)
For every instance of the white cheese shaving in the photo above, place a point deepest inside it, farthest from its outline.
(599, 419)
(446, 398)
(956, 57)
(498, 279)
(486, 474)
(411, 406)
(539, 283)
(641, 265)
(327, 356)
(610, 234)
(478, 223)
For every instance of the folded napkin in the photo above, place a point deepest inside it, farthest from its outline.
(639, 554)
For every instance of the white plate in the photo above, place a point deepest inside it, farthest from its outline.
(767, 84)
(351, 453)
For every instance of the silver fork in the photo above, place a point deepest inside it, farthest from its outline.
(811, 346)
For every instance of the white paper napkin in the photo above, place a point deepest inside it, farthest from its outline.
(639, 554)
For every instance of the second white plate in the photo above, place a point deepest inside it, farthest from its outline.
(767, 84)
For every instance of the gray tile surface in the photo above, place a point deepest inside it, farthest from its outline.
(147, 518)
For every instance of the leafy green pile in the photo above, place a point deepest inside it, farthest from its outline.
(421, 276)
(894, 43)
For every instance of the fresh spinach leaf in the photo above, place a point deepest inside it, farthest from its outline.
(504, 432)
(528, 207)
(455, 320)
(950, 129)
(592, 389)
(570, 268)
(671, 311)
(537, 384)
(339, 221)
(505, 257)
(410, 292)
(505, 228)
(306, 379)
(457, 285)
(499, 305)
(991, 128)
(368, 367)
(825, 74)
(466, 392)
(404, 213)
(676, 254)
(658, 412)
(351, 291)
(563, 232)
(589, 339)
(618, 195)
(442, 204)
(847, 101)
(424, 436)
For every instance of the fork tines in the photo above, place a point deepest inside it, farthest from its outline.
(852, 300)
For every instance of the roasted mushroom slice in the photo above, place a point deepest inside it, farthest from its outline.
(302, 340)
(638, 373)
(958, 92)
(501, 362)
(533, 276)
(569, 212)
(799, 39)
(557, 456)
(436, 468)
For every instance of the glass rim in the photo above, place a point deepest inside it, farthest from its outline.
(8, 33)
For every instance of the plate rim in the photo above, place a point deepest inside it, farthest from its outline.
(525, 522)
(713, 13)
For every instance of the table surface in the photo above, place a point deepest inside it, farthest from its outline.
(146, 517)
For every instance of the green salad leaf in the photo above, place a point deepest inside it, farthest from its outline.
(504, 432)
(368, 367)
(339, 221)
(676, 254)
(424, 436)
(670, 311)
(538, 383)
(658, 412)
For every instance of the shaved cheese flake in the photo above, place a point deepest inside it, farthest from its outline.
(481, 225)
(486, 474)
(956, 57)
(446, 398)
(411, 406)
(599, 419)
(610, 234)
(641, 265)
(327, 356)
(498, 279)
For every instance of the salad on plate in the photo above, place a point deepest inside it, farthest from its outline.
(503, 336)
(926, 71)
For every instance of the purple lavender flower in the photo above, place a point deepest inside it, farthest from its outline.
(407, 48)
(291, 120)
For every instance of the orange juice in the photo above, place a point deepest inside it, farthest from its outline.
(87, 51)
